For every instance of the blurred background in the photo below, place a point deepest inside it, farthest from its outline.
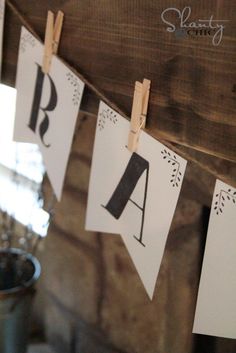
(89, 296)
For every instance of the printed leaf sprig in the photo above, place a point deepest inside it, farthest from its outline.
(75, 83)
(106, 115)
(27, 40)
(222, 197)
(176, 175)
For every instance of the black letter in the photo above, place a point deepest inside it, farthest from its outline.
(36, 105)
(119, 199)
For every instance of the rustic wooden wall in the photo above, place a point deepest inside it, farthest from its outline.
(113, 43)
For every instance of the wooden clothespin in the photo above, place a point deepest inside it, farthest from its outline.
(139, 112)
(52, 39)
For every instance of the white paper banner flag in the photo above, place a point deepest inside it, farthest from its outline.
(47, 107)
(2, 12)
(133, 194)
(216, 305)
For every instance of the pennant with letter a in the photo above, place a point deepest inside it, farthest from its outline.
(47, 107)
(133, 193)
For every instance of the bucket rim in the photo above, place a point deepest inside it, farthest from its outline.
(28, 284)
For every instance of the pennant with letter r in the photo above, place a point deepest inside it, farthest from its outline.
(47, 107)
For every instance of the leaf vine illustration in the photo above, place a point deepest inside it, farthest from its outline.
(176, 175)
(27, 40)
(75, 83)
(221, 198)
(106, 115)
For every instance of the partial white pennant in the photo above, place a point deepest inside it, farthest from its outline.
(216, 304)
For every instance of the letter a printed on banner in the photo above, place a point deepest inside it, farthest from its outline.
(47, 107)
(133, 194)
(216, 304)
(2, 12)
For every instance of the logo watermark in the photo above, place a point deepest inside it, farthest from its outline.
(182, 26)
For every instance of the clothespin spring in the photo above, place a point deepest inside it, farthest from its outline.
(142, 123)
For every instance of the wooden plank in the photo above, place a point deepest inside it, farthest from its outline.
(223, 169)
(115, 43)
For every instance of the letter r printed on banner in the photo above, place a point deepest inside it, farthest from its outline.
(47, 107)
(44, 125)
(133, 194)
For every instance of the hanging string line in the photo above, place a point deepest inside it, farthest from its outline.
(104, 98)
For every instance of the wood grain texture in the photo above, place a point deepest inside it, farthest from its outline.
(114, 43)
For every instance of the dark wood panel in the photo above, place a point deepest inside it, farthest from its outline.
(113, 43)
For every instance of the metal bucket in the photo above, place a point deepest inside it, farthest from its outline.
(15, 301)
